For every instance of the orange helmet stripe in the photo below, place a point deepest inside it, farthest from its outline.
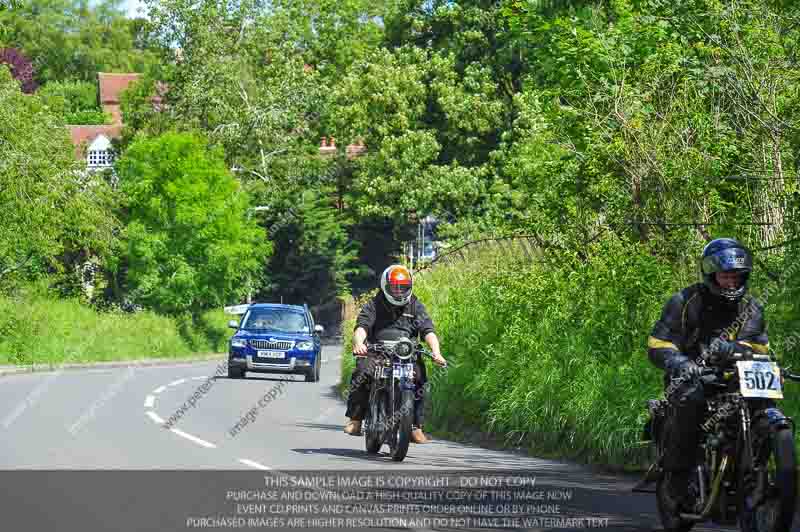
(399, 275)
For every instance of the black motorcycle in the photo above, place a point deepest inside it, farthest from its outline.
(746, 455)
(391, 396)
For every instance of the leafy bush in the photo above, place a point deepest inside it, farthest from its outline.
(76, 101)
(88, 117)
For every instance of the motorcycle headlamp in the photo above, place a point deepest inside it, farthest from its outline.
(403, 349)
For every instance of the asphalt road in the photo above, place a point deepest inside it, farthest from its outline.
(113, 419)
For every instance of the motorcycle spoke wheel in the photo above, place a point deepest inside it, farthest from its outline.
(372, 432)
(774, 512)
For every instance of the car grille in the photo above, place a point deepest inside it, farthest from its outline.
(283, 345)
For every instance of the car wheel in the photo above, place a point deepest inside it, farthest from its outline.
(235, 373)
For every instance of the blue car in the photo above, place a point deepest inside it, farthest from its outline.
(273, 338)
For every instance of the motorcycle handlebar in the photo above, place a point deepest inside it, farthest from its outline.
(418, 349)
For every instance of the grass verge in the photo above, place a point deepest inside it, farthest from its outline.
(37, 329)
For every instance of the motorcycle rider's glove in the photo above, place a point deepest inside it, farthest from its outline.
(680, 365)
(726, 349)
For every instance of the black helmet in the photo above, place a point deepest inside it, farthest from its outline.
(726, 255)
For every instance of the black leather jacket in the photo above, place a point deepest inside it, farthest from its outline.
(379, 314)
(691, 320)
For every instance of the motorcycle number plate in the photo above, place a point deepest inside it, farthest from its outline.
(406, 370)
(759, 379)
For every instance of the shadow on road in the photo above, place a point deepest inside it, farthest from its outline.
(319, 426)
(358, 454)
(332, 393)
(260, 378)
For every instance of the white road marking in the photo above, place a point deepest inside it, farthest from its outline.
(155, 417)
(149, 401)
(194, 439)
(245, 461)
(160, 389)
(175, 383)
(199, 378)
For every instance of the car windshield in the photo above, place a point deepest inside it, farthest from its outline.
(275, 320)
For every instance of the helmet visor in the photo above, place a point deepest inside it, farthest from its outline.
(731, 280)
(399, 289)
(398, 283)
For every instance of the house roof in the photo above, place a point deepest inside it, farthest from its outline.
(85, 135)
(112, 85)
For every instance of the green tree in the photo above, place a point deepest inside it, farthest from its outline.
(314, 260)
(409, 124)
(76, 101)
(73, 40)
(52, 209)
(238, 81)
(190, 244)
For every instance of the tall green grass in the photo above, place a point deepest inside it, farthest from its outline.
(551, 354)
(38, 329)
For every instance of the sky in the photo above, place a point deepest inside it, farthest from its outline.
(131, 7)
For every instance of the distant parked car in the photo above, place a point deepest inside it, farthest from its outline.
(274, 338)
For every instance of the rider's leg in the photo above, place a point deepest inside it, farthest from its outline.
(682, 430)
(421, 378)
(358, 397)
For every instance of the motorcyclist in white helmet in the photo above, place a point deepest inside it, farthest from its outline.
(394, 307)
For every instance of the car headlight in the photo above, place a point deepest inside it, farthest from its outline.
(305, 346)
(238, 342)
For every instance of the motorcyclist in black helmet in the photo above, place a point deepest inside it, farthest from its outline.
(702, 324)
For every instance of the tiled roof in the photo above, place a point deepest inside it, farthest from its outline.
(82, 136)
(112, 85)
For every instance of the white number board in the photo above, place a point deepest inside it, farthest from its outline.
(760, 379)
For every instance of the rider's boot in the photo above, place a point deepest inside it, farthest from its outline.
(679, 490)
(353, 427)
(417, 436)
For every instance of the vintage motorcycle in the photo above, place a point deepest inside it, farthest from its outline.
(391, 396)
(746, 470)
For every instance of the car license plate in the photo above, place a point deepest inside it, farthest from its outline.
(272, 354)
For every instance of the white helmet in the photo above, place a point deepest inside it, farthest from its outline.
(397, 284)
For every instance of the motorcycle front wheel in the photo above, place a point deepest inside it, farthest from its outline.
(401, 430)
(771, 473)
(373, 433)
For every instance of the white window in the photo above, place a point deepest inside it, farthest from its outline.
(100, 154)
